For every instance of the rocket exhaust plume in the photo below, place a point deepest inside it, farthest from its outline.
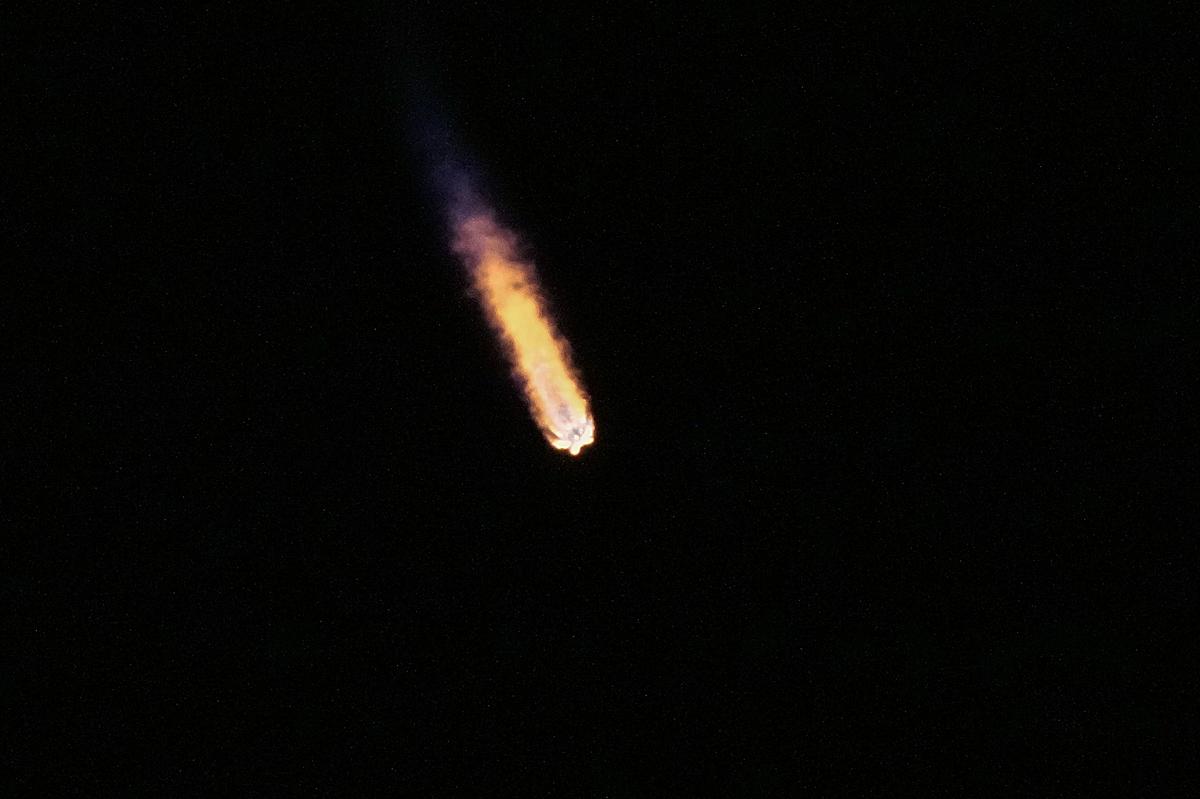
(506, 286)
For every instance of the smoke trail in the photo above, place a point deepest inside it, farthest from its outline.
(506, 286)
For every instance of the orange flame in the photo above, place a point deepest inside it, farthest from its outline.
(514, 306)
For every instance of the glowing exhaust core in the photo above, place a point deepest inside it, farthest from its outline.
(514, 306)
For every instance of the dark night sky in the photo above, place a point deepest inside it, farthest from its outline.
(880, 501)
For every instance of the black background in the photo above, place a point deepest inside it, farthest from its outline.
(886, 405)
